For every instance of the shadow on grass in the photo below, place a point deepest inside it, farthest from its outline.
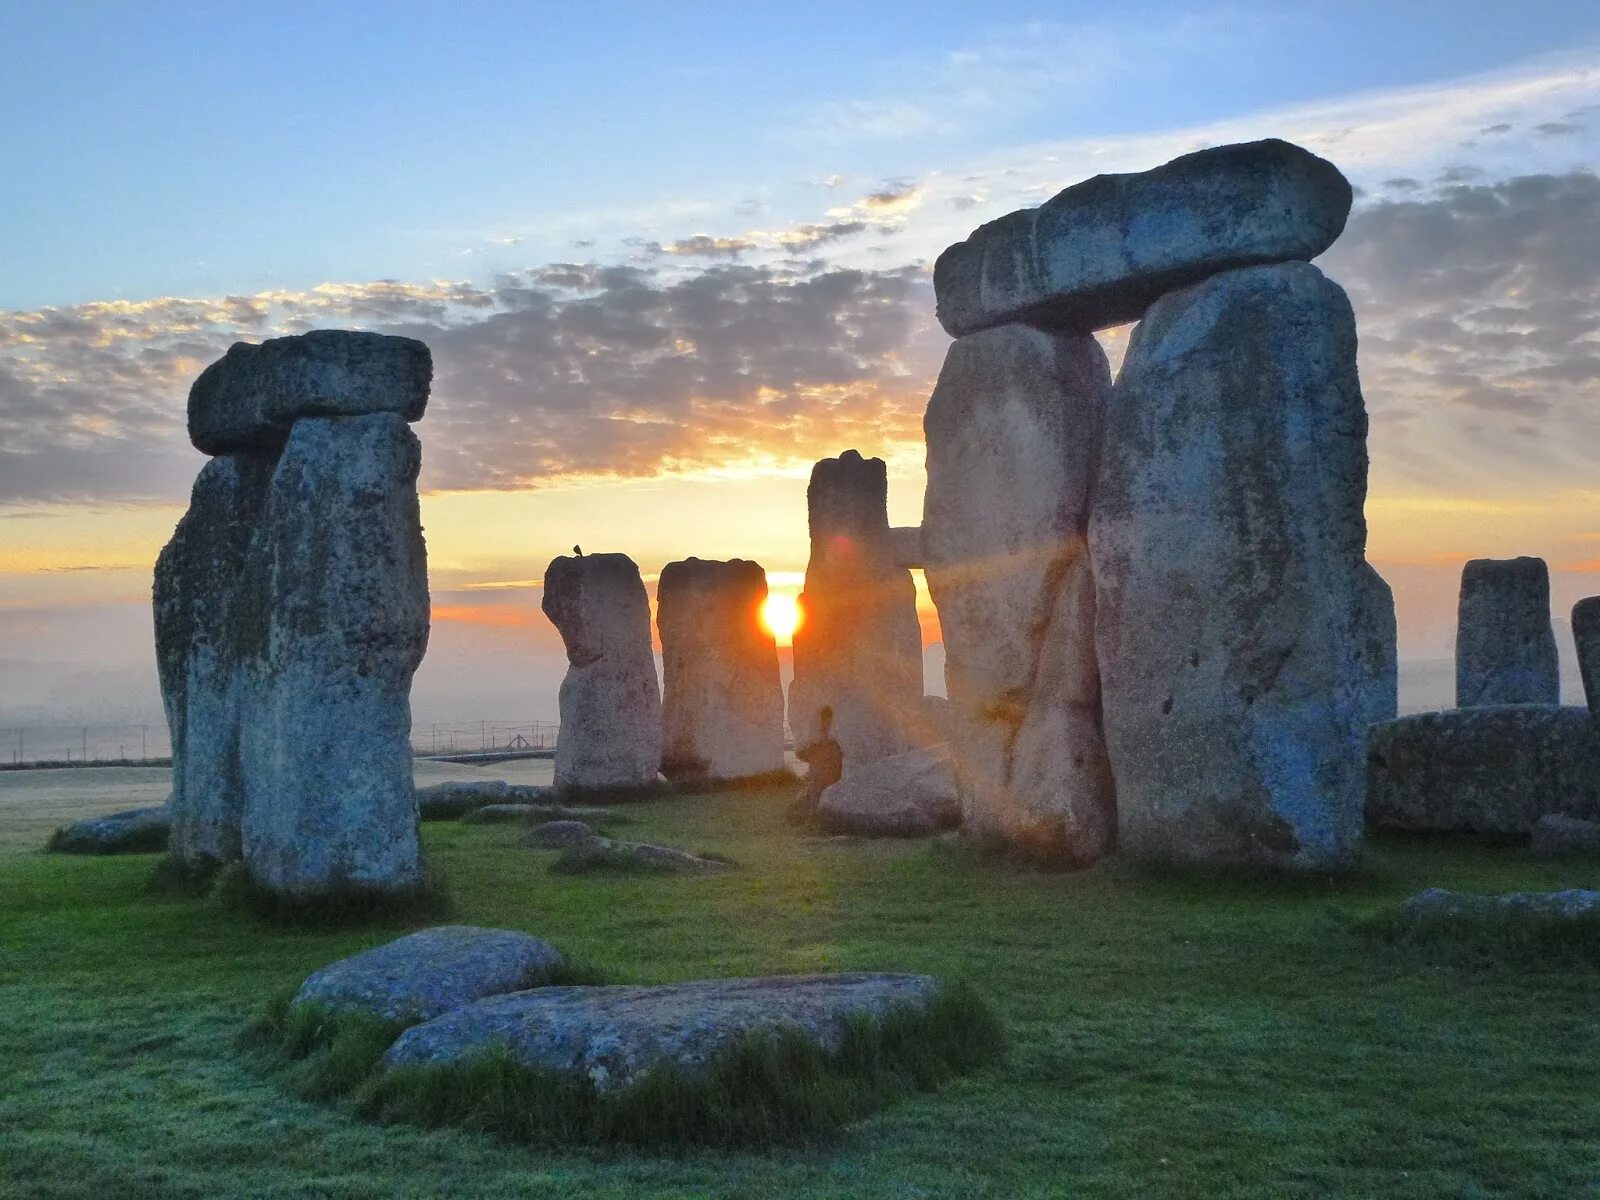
(345, 907)
(767, 1089)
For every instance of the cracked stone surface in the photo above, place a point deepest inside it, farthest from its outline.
(1228, 541)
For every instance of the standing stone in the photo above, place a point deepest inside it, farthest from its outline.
(1227, 539)
(338, 623)
(1013, 435)
(858, 650)
(610, 734)
(722, 699)
(198, 610)
(251, 396)
(1586, 632)
(1505, 642)
(1375, 625)
(1100, 252)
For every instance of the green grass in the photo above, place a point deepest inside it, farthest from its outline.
(1169, 1037)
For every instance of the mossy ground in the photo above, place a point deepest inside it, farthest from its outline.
(1169, 1038)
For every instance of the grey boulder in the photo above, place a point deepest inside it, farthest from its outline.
(559, 834)
(419, 976)
(904, 795)
(1441, 903)
(135, 831)
(1505, 643)
(251, 396)
(612, 854)
(1494, 769)
(449, 800)
(1555, 836)
(615, 1036)
(1100, 252)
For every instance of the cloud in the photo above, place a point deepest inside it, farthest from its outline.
(703, 245)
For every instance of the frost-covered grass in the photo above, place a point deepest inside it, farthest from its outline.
(1169, 1038)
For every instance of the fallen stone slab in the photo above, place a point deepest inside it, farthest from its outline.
(498, 814)
(1556, 836)
(449, 800)
(905, 795)
(1100, 252)
(1505, 643)
(424, 974)
(610, 854)
(251, 396)
(1493, 769)
(134, 831)
(615, 1036)
(1440, 902)
(559, 834)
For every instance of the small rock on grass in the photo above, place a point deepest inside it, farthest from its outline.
(554, 834)
(608, 854)
(135, 831)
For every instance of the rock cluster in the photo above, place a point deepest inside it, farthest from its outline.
(291, 611)
(1505, 643)
(610, 737)
(1160, 624)
(722, 699)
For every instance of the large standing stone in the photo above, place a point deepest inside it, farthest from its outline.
(722, 699)
(858, 650)
(1586, 633)
(1100, 252)
(1505, 643)
(1490, 769)
(251, 396)
(1227, 539)
(1013, 434)
(1379, 650)
(199, 608)
(610, 702)
(338, 624)
(614, 1036)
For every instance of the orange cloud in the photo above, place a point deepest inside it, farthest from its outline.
(499, 616)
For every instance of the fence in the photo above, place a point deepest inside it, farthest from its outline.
(86, 745)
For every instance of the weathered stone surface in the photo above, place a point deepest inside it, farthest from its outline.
(449, 800)
(136, 831)
(1013, 433)
(1490, 769)
(1586, 633)
(1227, 539)
(433, 971)
(1100, 252)
(1555, 836)
(905, 546)
(501, 814)
(338, 575)
(614, 1036)
(610, 734)
(1505, 643)
(613, 854)
(722, 699)
(556, 834)
(249, 398)
(905, 795)
(199, 608)
(1379, 649)
(858, 651)
(1439, 902)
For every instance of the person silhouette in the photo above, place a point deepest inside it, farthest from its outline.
(824, 762)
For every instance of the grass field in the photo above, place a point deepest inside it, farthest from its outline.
(1170, 1037)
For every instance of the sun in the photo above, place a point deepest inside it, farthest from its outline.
(780, 614)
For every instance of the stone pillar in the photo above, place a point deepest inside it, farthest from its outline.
(1586, 632)
(1013, 434)
(292, 609)
(722, 700)
(858, 651)
(1379, 648)
(199, 609)
(340, 574)
(610, 736)
(1505, 643)
(1228, 545)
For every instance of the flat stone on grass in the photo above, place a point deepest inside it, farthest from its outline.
(135, 831)
(1440, 902)
(424, 974)
(609, 854)
(558, 834)
(614, 1036)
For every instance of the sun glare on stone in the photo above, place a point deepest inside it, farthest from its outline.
(780, 613)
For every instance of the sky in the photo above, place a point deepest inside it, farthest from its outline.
(667, 258)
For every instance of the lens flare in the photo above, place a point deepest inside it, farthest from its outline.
(780, 614)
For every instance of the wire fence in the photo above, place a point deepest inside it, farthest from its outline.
(149, 744)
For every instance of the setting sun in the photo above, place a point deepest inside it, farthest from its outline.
(780, 614)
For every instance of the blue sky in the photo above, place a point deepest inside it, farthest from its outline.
(666, 258)
(209, 148)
